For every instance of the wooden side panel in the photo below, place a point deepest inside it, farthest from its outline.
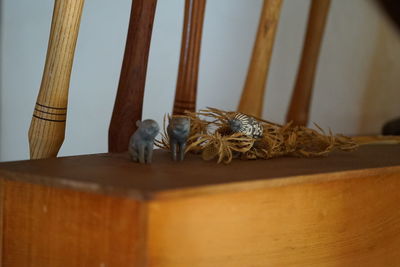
(346, 222)
(44, 226)
(1, 219)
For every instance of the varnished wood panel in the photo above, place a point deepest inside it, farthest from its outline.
(129, 100)
(252, 99)
(301, 98)
(354, 221)
(336, 211)
(45, 226)
(97, 173)
(1, 219)
(47, 130)
(186, 85)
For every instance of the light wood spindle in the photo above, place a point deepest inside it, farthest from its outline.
(129, 101)
(47, 130)
(301, 97)
(252, 98)
(186, 86)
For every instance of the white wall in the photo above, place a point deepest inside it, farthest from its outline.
(356, 90)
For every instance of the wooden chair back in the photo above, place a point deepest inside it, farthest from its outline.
(47, 129)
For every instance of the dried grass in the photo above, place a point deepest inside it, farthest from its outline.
(211, 136)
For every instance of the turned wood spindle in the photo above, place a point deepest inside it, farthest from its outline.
(186, 86)
(300, 103)
(47, 129)
(251, 101)
(129, 100)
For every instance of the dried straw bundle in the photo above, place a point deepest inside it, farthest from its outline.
(212, 137)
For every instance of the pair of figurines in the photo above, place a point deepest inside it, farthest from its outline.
(142, 141)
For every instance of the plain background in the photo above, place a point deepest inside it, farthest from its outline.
(356, 88)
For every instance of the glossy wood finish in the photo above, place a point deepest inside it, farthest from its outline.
(2, 199)
(47, 226)
(103, 210)
(377, 139)
(129, 100)
(300, 103)
(47, 130)
(252, 99)
(186, 85)
(115, 174)
(350, 221)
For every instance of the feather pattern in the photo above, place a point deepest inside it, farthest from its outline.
(247, 125)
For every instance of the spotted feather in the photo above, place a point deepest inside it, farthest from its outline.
(246, 125)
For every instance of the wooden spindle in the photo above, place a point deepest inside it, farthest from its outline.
(251, 101)
(186, 86)
(301, 97)
(47, 129)
(129, 100)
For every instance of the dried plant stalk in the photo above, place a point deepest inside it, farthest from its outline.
(212, 137)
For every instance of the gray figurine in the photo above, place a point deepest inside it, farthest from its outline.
(142, 141)
(178, 131)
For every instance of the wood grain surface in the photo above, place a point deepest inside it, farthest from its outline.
(103, 210)
(115, 174)
(1, 218)
(50, 227)
(354, 221)
(186, 85)
(252, 99)
(129, 100)
(377, 139)
(301, 98)
(47, 130)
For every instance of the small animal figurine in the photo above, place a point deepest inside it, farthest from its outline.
(178, 131)
(142, 141)
(241, 123)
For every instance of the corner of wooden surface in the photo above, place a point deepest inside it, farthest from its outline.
(351, 221)
(47, 226)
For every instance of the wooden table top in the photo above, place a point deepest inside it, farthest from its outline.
(115, 174)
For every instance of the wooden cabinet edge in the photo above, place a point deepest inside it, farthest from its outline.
(1, 219)
(140, 195)
(79, 218)
(271, 183)
(206, 192)
(65, 183)
(345, 221)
